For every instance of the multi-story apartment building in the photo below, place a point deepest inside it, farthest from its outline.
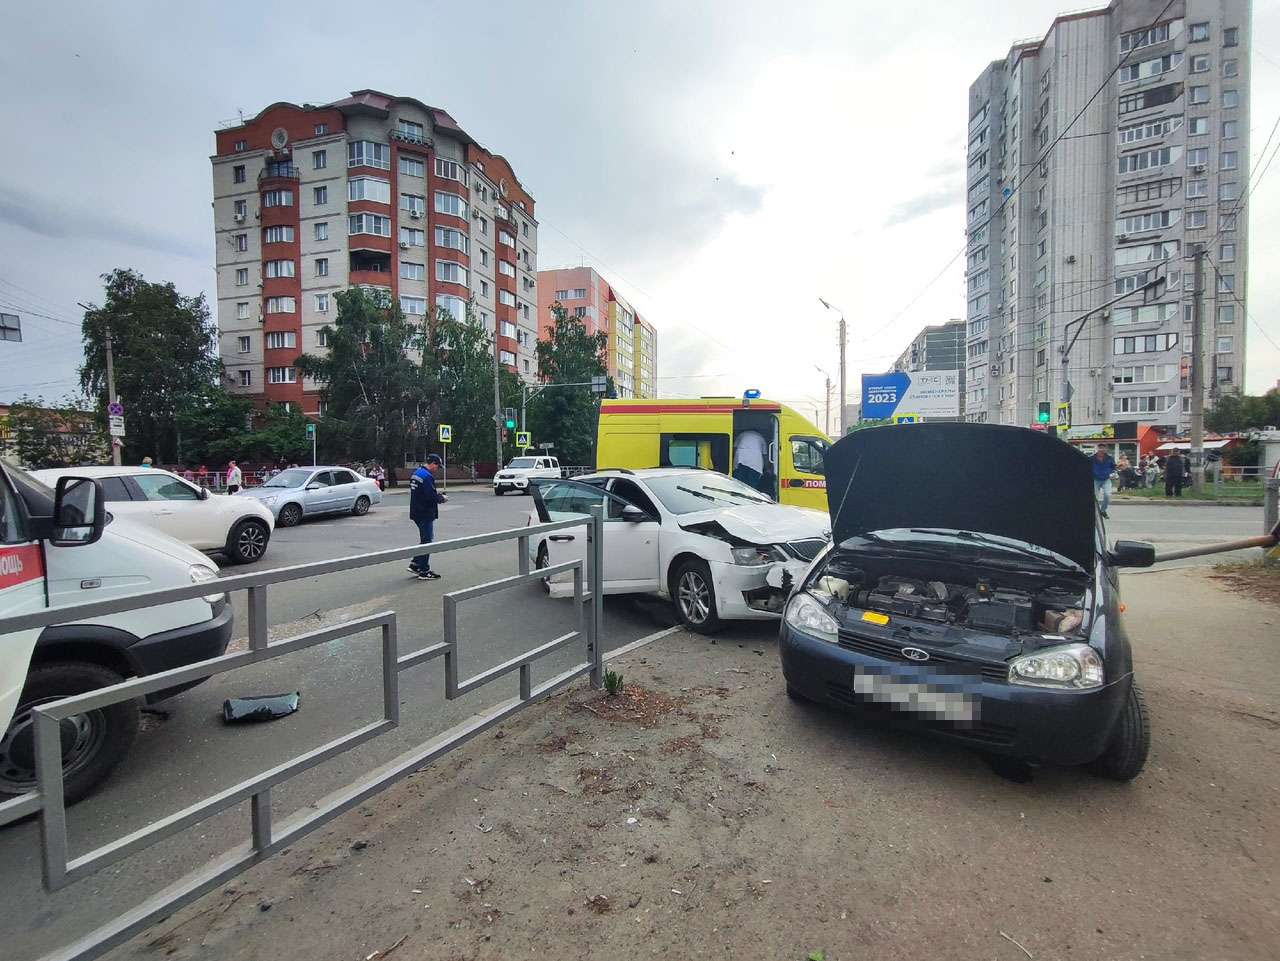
(1099, 158)
(940, 347)
(632, 347)
(376, 191)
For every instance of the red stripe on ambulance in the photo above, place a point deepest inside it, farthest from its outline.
(20, 564)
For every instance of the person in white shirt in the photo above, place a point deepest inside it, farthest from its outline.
(749, 451)
(235, 479)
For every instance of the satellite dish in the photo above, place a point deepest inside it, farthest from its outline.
(279, 137)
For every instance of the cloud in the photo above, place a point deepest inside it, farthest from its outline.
(921, 205)
(59, 222)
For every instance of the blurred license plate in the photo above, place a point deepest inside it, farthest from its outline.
(935, 701)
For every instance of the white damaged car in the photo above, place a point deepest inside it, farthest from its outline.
(718, 548)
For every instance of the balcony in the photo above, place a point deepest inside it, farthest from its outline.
(278, 171)
(369, 268)
(410, 136)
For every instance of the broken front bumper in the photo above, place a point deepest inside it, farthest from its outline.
(756, 592)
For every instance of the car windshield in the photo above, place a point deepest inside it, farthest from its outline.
(698, 491)
(290, 478)
(522, 462)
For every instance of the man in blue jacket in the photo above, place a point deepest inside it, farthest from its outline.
(424, 508)
(1103, 466)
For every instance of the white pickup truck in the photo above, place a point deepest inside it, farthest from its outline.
(516, 475)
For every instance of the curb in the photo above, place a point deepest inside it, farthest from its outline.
(1182, 502)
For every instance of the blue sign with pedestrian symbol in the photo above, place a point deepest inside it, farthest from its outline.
(446, 434)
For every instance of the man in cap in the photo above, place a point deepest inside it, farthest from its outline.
(424, 508)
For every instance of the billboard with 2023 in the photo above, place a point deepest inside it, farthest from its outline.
(924, 393)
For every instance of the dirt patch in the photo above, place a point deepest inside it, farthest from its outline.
(1259, 581)
(634, 704)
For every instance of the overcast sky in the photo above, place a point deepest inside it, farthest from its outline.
(724, 164)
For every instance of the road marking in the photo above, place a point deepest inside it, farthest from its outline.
(648, 639)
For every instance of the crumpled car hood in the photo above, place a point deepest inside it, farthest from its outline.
(764, 523)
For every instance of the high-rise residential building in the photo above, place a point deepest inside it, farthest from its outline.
(375, 191)
(939, 347)
(1101, 157)
(631, 353)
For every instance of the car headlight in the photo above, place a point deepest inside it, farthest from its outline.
(755, 556)
(1073, 666)
(804, 613)
(202, 574)
(270, 500)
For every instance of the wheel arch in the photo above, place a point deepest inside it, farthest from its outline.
(94, 643)
(669, 582)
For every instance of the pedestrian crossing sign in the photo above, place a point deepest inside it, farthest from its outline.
(446, 433)
(904, 418)
(523, 440)
(1064, 416)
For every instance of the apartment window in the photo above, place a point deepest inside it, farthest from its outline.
(239, 146)
(237, 173)
(452, 204)
(1224, 345)
(1142, 38)
(1227, 253)
(450, 272)
(375, 224)
(277, 198)
(1198, 156)
(319, 159)
(366, 153)
(1230, 129)
(1149, 404)
(1226, 313)
(1144, 70)
(1228, 222)
(1226, 283)
(242, 310)
(1230, 98)
(1228, 191)
(454, 240)
(506, 268)
(278, 268)
(322, 338)
(526, 366)
(413, 305)
(506, 357)
(322, 266)
(1228, 160)
(369, 188)
(277, 235)
(322, 307)
(1144, 344)
(410, 271)
(1230, 68)
(412, 166)
(322, 129)
(322, 231)
(1197, 188)
(246, 378)
(506, 328)
(1200, 63)
(1198, 125)
(282, 375)
(579, 292)
(1199, 94)
(1140, 223)
(409, 130)
(242, 243)
(244, 344)
(281, 305)
(1145, 314)
(505, 238)
(1197, 219)
(1041, 247)
(456, 307)
(413, 204)
(241, 209)
(580, 311)
(281, 338)
(482, 224)
(1198, 32)
(484, 288)
(1223, 375)
(242, 276)
(1231, 36)
(562, 295)
(506, 298)
(451, 170)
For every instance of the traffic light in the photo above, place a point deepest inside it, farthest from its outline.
(510, 418)
(311, 432)
(1043, 412)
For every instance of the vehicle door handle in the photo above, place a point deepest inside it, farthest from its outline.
(163, 510)
(795, 482)
(560, 538)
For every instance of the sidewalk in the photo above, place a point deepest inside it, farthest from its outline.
(701, 814)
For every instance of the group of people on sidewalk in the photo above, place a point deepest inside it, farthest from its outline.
(1176, 467)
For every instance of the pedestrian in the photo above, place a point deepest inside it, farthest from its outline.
(203, 475)
(424, 508)
(1103, 466)
(1175, 474)
(379, 475)
(235, 478)
(146, 462)
(748, 458)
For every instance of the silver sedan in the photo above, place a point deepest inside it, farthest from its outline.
(307, 491)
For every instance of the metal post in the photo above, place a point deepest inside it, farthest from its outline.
(844, 417)
(111, 393)
(260, 815)
(314, 433)
(1197, 377)
(444, 467)
(497, 398)
(257, 603)
(596, 575)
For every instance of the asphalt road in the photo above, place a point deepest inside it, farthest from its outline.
(185, 752)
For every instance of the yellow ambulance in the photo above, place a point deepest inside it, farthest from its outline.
(707, 433)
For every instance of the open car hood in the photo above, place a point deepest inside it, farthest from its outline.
(764, 523)
(987, 478)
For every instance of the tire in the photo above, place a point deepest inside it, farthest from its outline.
(1126, 751)
(497, 492)
(247, 542)
(92, 743)
(290, 515)
(544, 560)
(695, 597)
(361, 506)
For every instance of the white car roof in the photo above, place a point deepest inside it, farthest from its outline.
(646, 472)
(108, 471)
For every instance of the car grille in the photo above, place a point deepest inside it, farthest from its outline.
(890, 651)
(806, 549)
(981, 733)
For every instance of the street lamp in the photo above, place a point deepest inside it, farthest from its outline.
(843, 426)
(827, 394)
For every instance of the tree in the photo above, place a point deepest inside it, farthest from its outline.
(165, 351)
(377, 394)
(1239, 412)
(222, 427)
(67, 434)
(566, 416)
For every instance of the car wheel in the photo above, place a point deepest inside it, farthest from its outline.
(544, 560)
(290, 515)
(248, 542)
(92, 743)
(1126, 752)
(361, 506)
(497, 492)
(695, 597)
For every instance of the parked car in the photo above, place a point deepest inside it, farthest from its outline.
(969, 591)
(517, 475)
(719, 549)
(307, 491)
(187, 512)
(64, 548)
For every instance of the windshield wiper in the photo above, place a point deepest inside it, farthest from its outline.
(742, 494)
(702, 494)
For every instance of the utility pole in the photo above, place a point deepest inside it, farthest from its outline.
(497, 398)
(827, 423)
(844, 426)
(111, 394)
(1196, 380)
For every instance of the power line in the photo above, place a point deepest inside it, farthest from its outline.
(38, 298)
(1236, 298)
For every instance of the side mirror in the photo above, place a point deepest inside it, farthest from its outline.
(1131, 554)
(633, 514)
(79, 513)
(204, 493)
(313, 487)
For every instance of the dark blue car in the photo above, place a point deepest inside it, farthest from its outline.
(969, 591)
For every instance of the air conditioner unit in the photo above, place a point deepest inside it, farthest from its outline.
(995, 369)
(239, 218)
(404, 245)
(1198, 168)
(415, 214)
(1071, 258)
(1122, 237)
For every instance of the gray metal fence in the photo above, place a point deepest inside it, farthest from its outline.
(265, 837)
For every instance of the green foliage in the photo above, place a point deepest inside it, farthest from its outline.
(1248, 454)
(613, 682)
(212, 428)
(566, 416)
(1238, 412)
(864, 424)
(68, 434)
(165, 352)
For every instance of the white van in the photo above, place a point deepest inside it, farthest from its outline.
(58, 549)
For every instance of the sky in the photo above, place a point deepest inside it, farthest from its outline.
(723, 164)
